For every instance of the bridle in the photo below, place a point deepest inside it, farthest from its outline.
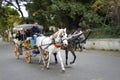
(60, 38)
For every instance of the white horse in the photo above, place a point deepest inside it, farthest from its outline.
(50, 44)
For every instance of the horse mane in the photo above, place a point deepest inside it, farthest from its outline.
(57, 33)
(76, 35)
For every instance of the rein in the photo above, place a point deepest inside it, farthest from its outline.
(53, 37)
(79, 34)
(46, 44)
(86, 37)
(53, 42)
(74, 35)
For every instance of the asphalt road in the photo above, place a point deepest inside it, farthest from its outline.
(90, 65)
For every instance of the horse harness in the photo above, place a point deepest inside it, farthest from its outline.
(53, 42)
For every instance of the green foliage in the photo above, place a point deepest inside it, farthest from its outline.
(108, 32)
(55, 12)
(8, 17)
(91, 20)
(67, 14)
(100, 14)
(75, 13)
(39, 11)
(108, 10)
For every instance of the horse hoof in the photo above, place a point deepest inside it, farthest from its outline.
(39, 63)
(48, 68)
(63, 71)
(56, 62)
(66, 63)
(71, 62)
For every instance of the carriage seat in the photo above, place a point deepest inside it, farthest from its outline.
(28, 43)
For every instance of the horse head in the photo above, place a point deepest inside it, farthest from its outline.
(61, 37)
(64, 37)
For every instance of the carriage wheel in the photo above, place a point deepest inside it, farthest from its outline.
(28, 57)
(16, 52)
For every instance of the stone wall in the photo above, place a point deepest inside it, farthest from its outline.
(103, 44)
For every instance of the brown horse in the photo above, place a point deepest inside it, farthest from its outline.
(70, 48)
(72, 45)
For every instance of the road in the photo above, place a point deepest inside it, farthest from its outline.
(90, 65)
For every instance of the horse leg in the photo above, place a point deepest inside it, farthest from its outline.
(80, 46)
(44, 63)
(48, 63)
(61, 61)
(41, 57)
(75, 46)
(55, 55)
(73, 53)
(66, 52)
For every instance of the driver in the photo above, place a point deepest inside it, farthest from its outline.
(35, 31)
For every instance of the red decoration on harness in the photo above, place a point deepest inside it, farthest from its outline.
(57, 45)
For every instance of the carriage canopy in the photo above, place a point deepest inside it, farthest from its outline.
(26, 26)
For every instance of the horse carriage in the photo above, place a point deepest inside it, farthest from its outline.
(48, 45)
(45, 44)
(24, 45)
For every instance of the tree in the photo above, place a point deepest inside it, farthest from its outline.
(8, 17)
(39, 11)
(109, 9)
(55, 12)
(16, 4)
(69, 14)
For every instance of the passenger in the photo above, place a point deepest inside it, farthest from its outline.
(27, 32)
(18, 36)
(23, 35)
(35, 31)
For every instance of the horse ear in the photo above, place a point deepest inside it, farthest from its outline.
(65, 29)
